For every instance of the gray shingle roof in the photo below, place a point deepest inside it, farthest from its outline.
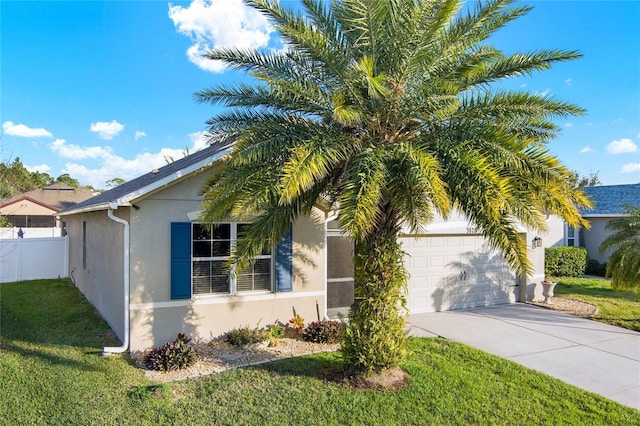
(142, 185)
(609, 199)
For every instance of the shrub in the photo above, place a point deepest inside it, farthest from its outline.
(245, 335)
(565, 261)
(273, 333)
(297, 322)
(324, 331)
(596, 268)
(171, 356)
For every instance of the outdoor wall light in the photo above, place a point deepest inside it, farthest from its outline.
(537, 242)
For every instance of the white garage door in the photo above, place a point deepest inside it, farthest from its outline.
(456, 272)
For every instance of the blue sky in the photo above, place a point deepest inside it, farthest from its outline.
(105, 89)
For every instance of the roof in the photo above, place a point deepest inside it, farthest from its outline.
(610, 199)
(56, 197)
(126, 193)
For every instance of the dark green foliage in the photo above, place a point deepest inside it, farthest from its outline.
(565, 261)
(375, 338)
(174, 355)
(275, 331)
(324, 331)
(596, 268)
(245, 335)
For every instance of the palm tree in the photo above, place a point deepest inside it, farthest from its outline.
(623, 265)
(388, 111)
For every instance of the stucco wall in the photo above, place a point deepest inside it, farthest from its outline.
(555, 237)
(102, 280)
(156, 319)
(593, 237)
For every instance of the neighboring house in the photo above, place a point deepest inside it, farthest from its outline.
(141, 256)
(37, 209)
(608, 204)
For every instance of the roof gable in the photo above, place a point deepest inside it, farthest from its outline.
(58, 196)
(610, 199)
(16, 206)
(124, 194)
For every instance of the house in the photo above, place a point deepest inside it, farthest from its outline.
(34, 211)
(141, 256)
(608, 204)
(609, 201)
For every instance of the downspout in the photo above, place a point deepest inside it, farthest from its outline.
(125, 343)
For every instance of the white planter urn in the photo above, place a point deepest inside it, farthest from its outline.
(547, 291)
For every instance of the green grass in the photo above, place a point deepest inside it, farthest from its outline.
(617, 308)
(51, 373)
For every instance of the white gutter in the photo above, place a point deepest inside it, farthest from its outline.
(126, 284)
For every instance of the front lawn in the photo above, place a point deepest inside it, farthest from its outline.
(51, 372)
(617, 308)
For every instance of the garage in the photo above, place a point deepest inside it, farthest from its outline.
(456, 272)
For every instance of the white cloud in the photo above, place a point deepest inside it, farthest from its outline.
(199, 140)
(106, 130)
(140, 135)
(76, 152)
(109, 165)
(587, 149)
(42, 168)
(219, 24)
(543, 94)
(623, 146)
(23, 131)
(568, 82)
(568, 125)
(113, 166)
(630, 168)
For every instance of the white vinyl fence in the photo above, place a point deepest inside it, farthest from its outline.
(33, 258)
(30, 232)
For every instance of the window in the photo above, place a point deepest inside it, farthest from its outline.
(211, 248)
(571, 237)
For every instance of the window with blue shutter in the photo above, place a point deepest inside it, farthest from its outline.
(180, 260)
(284, 263)
(199, 254)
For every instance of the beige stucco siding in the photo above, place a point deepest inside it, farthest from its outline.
(26, 207)
(156, 319)
(593, 237)
(207, 318)
(102, 280)
(555, 236)
(151, 237)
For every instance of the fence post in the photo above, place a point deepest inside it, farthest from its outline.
(66, 255)
(19, 259)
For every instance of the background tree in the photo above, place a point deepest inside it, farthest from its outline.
(68, 180)
(112, 183)
(16, 179)
(579, 181)
(388, 110)
(623, 265)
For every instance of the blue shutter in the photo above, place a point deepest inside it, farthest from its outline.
(284, 263)
(180, 260)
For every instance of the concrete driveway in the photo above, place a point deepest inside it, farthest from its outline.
(593, 356)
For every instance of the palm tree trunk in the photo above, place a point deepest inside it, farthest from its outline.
(375, 338)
